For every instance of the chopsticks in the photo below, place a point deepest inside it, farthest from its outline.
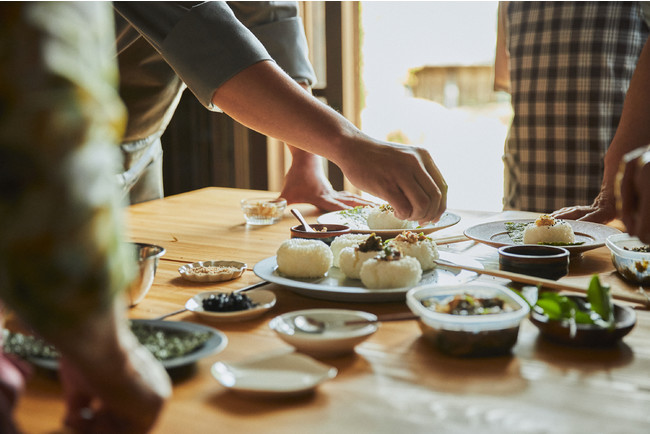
(531, 280)
(450, 239)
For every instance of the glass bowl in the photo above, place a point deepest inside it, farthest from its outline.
(632, 265)
(263, 211)
(468, 335)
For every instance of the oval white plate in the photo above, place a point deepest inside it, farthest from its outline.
(275, 374)
(265, 301)
(186, 271)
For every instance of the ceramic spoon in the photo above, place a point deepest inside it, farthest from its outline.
(302, 220)
(311, 325)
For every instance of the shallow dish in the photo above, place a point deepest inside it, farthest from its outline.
(494, 234)
(276, 374)
(264, 299)
(337, 286)
(587, 335)
(212, 271)
(263, 211)
(215, 343)
(468, 335)
(549, 262)
(356, 220)
(633, 266)
(325, 233)
(337, 339)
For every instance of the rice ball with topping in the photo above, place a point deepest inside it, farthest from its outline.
(390, 270)
(343, 241)
(383, 217)
(302, 258)
(352, 258)
(548, 230)
(419, 246)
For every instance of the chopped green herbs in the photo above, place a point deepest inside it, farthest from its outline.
(355, 216)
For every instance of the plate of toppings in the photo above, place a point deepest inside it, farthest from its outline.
(382, 221)
(336, 286)
(174, 343)
(274, 374)
(575, 236)
(236, 306)
(212, 271)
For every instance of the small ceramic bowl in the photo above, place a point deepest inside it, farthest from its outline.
(586, 335)
(147, 256)
(549, 262)
(263, 211)
(325, 233)
(264, 300)
(336, 340)
(632, 265)
(468, 335)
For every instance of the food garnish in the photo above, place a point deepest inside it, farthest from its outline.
(516, 233)
(466, 304)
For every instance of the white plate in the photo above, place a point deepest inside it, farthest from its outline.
(265, 301)
(337, 287)
(358, 225)
(187, 273)
(494, 234)
(277, 374)
(215, 343)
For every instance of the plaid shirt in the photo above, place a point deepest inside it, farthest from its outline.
(570, 67)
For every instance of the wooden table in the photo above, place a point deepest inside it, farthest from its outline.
(395, 382)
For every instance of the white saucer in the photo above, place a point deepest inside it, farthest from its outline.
(265, 301)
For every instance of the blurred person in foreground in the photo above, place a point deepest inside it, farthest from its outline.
(226, 67)
(63, 260)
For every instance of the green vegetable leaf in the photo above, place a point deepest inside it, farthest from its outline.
(600, 299)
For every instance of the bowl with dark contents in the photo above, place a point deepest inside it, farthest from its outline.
(549, 262)
(231, 306)
(325, 233)
(468, 320)
(631, 258)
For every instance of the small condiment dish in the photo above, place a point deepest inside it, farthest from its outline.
(335, 340)
(585, 335)
(468, 335)
(549, 262)
(264, 300)
(212, 271)
(325, 233)
(263, 211)
(147, 256)
(632, 265)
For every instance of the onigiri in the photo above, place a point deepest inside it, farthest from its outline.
(346, 240)
(547, 229)
(352, 258)
(390, 270)
(419, 246)
(302, 258)
(383, 217)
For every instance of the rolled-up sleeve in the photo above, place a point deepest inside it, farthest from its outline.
(205, 44)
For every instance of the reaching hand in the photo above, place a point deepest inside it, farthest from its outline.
(603, 210)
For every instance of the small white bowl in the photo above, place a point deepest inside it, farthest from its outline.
(633, 266)
(336, 340)
(221, 271)
(264, 299)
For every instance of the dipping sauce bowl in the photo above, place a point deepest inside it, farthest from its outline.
(549, 262)
(325, 233)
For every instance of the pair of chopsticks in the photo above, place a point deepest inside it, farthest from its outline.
(451, 239)
(530, 280)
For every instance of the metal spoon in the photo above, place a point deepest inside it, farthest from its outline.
(237, 291)
(302, 220)
(311, 325)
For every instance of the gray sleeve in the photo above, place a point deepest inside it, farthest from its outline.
(645, 7)
(205, 44)
(277, 25)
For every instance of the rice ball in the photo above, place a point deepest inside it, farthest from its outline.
(419, 246)
(352, 258)
(383, 217)
(547, 229)
(303, 258)
(346, 240)
(391, 271)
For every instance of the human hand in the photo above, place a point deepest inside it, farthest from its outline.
(603, 210)
(404, 176)
(634, 187)
(123, 394)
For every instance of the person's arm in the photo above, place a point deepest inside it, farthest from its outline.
(634, 186)
(633, 132)
(263, 98)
